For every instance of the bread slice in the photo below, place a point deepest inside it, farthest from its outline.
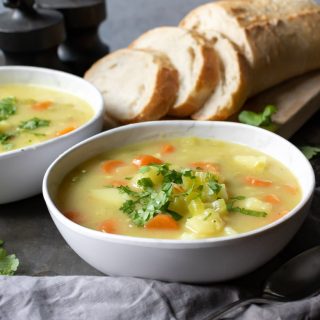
(136, 85)
(195, 61)
(231, 90)
(279, 38)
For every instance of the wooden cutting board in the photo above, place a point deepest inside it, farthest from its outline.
(297, 100)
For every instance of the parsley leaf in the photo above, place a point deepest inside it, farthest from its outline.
(33, 124)
(310, 152)
(143, 206)
(145, 183)
(4, 137)
(214, 186)
(8, 263)
(7, 107)
(232, 208)
(262, 119)
(248, 212)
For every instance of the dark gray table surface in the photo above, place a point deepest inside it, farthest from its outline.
(26, 225)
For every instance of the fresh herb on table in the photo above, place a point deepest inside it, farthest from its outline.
(33, 124)
(8, 263)
(262, 119)
(7, 107)
(310, 152)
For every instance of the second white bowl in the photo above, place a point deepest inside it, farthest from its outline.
(22, 170)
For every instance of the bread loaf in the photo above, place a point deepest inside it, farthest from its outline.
(231, 90)
(279, 38)
(136, 85)
(196, 62)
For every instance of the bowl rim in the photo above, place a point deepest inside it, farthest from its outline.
(98, 112)
(172, 243)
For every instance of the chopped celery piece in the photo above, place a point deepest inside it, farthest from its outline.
(196, 207)
(206, 224)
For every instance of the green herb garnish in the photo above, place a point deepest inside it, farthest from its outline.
(8, 263)
(33, 124)
(262, 119)
(5, 137)
(214, 186)
(232, 208)
(7, 107)
(310, 152)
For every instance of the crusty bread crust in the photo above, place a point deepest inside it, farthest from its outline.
(234, 95)
(279, 38)
(207, 76)
(167, 86)
(161, 99)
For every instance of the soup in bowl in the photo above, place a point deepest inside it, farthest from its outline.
(42, 113)
(179, 200)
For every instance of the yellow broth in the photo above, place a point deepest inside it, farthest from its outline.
(40, 113)
(89, 194)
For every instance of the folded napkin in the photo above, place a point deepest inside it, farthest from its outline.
(112, 298)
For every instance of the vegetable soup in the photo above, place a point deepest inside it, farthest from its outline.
(185, 188)
(33, 114)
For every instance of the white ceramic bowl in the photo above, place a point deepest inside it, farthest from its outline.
(22, 170)
(193, 261)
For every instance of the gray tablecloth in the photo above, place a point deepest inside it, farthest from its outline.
(60, 298)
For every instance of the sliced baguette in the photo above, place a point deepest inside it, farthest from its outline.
(136, 85)
(195, 61)
(231, 90)
(279, 38)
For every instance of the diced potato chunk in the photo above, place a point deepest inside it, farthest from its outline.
(110, 196)
(178, 205)
(255, 204)
(223, 192)
(152, 174)
(196, 207)
(220, 207)
(4, 126)
(206, 224)
(258, 163)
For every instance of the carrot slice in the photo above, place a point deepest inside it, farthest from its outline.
(291, 189)
(42, 105)
(145, 160)
(73, 216)
(110, 166)
(163, 222)
(108, 226)
(118, 183)
(257, 182)
(272, 198)
(206, 166)
(168, 148)
(65, 131)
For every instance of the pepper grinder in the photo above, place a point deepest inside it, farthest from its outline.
(82, 46)
(31, 37)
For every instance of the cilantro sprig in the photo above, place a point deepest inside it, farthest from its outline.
(5, 137)
(143, 206)
(310, 152)
(7, 107)
(33, 124)
(262, 119)
(8, 263)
